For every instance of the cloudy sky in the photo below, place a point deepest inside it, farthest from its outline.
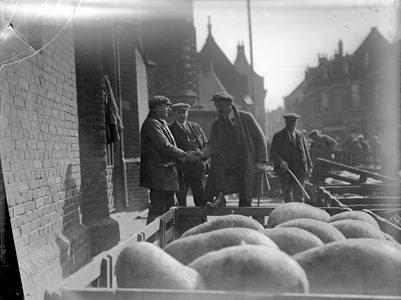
(288, 35)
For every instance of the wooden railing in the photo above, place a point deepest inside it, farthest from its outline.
(324, 168)
(368, 161)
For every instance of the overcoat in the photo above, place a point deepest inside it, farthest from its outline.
(251, 140)
(181, 137)
(159, 156)
(281, 149)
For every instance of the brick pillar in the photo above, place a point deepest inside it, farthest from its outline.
(134, 95)
(104, 231)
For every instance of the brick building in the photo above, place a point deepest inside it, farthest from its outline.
(351, 93)
(73, 98)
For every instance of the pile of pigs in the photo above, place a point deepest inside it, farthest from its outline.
(302, 250)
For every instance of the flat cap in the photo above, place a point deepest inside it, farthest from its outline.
(180, 106)
(291, 116)
(222, 96)
(314, 131)
(157, 100)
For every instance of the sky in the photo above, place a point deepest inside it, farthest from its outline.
(288, 35)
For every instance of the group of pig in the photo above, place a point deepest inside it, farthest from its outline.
(302, 250)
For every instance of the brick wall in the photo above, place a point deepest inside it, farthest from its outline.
(41, 163)
(103, 230)
(134, 93)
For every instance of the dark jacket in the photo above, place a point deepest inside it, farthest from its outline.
(281, 149)
(251, 139)
(181, 137)
(159, 156)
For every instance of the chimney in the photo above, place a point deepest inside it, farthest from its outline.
(340, 48)
(240, 50)
(209, 26)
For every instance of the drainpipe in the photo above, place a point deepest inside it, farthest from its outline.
(116, 46)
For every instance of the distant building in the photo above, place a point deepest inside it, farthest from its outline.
(217, 73)
(211, 56)
(351, 93)
(258, 92)
(275, 121)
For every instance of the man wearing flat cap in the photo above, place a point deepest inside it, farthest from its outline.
(323, 145)
(237, 147)
(189, 136)
(160, 158)
(290, 151)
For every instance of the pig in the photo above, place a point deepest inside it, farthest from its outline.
(354, 266)
(295, 210)
(187, 249)
(324, 231)
(354, 215)
(228, 221)
(292, 240)
(144, 265)
(251, 268)
(353, 229)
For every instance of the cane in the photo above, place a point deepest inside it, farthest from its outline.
(296, 179)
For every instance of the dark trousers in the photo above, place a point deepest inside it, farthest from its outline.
(229, 175)
(194, 178)
(160, 202)
(291, 190)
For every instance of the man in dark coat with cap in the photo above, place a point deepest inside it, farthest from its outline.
(289, 151)
(237, 147)
(189, 136)
(160, 157)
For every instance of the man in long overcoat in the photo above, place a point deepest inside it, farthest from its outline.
(237, 147)
(189, 136)
(160, 158)
(289, 151)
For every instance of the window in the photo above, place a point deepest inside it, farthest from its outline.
(337, 99)
(325, 72)
(356, 102)
(347, 67)
(324, 102)
(366, 60)
(110, 154)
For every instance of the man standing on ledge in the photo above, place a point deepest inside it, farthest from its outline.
(189, 136)
(160, 157)
(289, 151)
(237, 147)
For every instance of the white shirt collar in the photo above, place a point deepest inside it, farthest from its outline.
(182, 125)
(231, 114)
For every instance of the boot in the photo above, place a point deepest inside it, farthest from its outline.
(243, 201)
(219, 201)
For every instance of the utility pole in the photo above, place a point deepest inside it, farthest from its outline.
(251, 50)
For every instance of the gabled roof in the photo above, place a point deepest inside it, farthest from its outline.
(233, 82)
(209, 84)
(374, 41)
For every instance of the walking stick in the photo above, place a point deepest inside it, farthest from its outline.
(302, 188)
(260, 189)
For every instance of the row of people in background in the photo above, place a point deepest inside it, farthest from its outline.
(360, 144)
(323, 145)
(172, 154)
